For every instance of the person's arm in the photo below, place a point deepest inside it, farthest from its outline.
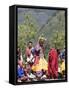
(21, 57)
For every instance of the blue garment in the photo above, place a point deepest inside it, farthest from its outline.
(62, 55)
(33, 51)
(20, 72)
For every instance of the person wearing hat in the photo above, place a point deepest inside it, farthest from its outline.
(40, 64)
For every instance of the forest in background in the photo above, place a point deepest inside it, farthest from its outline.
(53, 30)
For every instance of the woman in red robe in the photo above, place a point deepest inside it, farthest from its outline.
(53, 64)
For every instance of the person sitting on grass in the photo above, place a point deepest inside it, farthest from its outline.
(29, 73)
(20, 72)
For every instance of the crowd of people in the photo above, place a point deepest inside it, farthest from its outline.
(36, 67)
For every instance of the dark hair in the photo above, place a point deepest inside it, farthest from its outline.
(29, 42)
(19, 52)
(58, 51)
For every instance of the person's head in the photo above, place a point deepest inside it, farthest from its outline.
(18, 51)
(58, 51)
(30, 44)
(41, 41)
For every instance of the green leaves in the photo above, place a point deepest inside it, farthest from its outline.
(58, 40)
(53, 31)
(26, 31)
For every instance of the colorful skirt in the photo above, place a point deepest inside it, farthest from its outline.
(41, 65)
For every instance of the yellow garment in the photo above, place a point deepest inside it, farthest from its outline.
(42, 65)
(62, 67)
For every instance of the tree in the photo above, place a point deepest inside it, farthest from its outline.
(27, 31)
(58, 40)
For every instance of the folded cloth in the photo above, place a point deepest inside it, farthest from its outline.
(31, 76)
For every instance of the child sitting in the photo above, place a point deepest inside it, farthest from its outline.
(20, 72)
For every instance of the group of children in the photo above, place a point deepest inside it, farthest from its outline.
(36, 67)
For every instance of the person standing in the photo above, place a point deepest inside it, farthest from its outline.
(29, 53)
(53, 64)
(40, 64)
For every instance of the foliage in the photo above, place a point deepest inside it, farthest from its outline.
(26, 32)
(53, 31)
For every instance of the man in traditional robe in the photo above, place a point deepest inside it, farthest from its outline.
(53, 64)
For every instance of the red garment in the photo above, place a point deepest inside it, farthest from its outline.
(53, 64)
(36, 60)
